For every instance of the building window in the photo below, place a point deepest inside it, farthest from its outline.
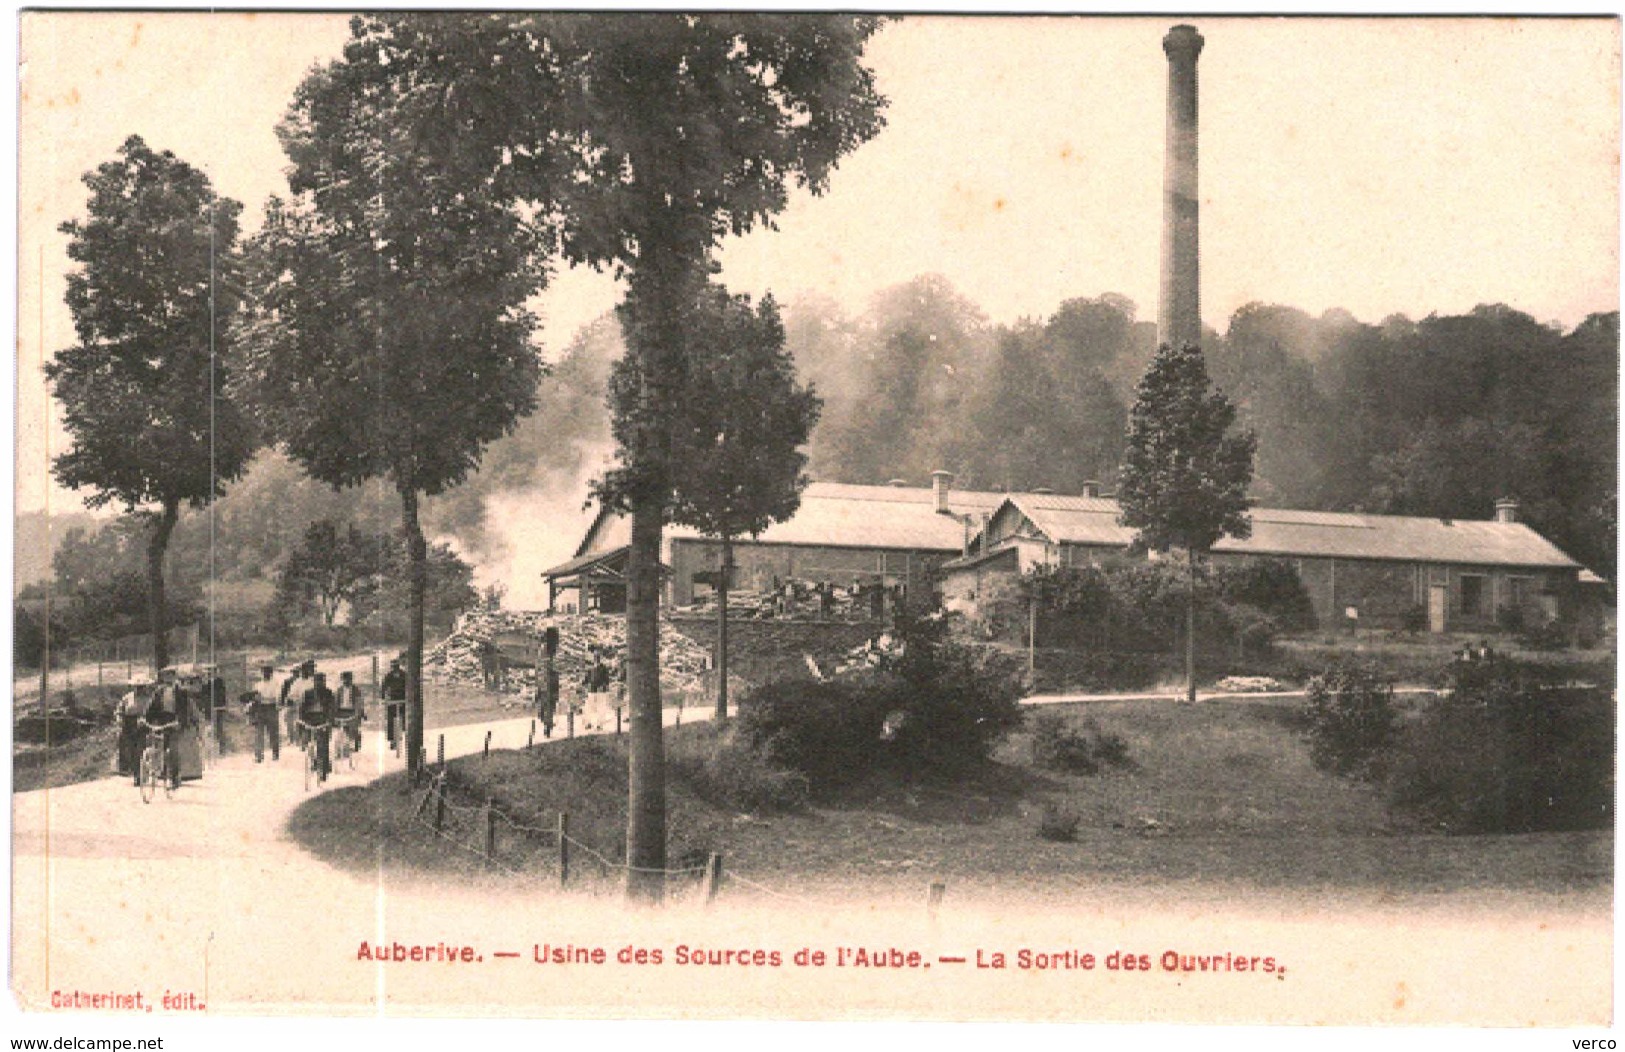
(1475, 595)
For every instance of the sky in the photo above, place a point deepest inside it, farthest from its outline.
(1378, 165)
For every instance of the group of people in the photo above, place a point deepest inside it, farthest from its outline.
(302, 706)
(602, 687)
(179, 705)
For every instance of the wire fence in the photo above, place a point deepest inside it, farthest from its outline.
(473, 830)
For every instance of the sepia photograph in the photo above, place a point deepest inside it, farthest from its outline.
(815, 516)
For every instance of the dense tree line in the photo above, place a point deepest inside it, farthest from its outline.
(1437, 417)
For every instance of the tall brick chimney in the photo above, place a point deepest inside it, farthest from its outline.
(1179, 313)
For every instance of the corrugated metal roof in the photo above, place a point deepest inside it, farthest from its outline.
(905, 517)
(1346, 535)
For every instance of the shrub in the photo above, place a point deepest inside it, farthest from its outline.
(932, 709)
(1351, 721)
(1507, 750)
(1058, 823)
(1058, 745)
(726, 770)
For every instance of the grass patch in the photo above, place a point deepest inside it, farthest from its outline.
(1222, 798)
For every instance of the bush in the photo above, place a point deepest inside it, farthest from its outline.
(1507, 750)
(936, 708)
(1351, 721)
(726, 770)
(1058, 823)
(1058, 745)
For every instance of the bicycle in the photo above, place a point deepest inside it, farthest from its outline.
(154, 769)
(343, 748)
(312, 761)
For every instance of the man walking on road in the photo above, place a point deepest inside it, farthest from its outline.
(262, 714)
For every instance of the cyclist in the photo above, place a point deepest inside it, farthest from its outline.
(163, 714)
(393, 693)
(349, 709)
(316, 719)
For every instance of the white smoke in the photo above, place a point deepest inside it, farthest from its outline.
(531, 529)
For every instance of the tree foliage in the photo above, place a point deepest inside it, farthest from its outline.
(739, 466)
(153, 297)
(330, 568)
(1184, 477)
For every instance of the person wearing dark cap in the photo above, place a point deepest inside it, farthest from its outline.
(316, 719)
(392, 691)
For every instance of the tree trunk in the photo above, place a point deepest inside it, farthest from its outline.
(722, 627)
(157, 547)
(1190, 626)
(646, 774)
(417, 558)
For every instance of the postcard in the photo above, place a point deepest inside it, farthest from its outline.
(735, 516)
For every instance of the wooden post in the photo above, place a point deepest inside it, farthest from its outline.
(712, 880)
(570, 722)
(933, 899)
(564, 848)
(486, 754)
(439, 788)
(531, 741)
(617, 721)
(423, 804)
(440, 753)
(375, 673)
(490, 835)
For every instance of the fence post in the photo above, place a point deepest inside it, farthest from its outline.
(375, 673)
(439, 788)
(564, 848)
(486, 754)
(490, 835)
(617, 721)
(423, 804)
(531, 741)
(440, 753)
(570, 722)
(933, 899)
(712, 879)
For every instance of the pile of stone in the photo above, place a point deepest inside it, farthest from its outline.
(465, 656)
(1249, 685)
(794, 599)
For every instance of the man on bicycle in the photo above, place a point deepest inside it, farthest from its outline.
(316, 719)
(349, 709)
(393, 693)
(163, 715)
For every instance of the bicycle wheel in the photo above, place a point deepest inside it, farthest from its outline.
(148, 781)
(310, 765)
(349, 752)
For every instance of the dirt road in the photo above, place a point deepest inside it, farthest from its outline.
(201, 904)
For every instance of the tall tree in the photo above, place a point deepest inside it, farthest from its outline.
(682, 129)
(1184, 478)
(389, 337)
(739, 467)
(152, 298)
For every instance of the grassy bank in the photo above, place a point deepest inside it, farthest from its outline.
(1218, 799)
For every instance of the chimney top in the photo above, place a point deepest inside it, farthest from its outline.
(1182, 38)
(941, 482)
(1506, 510)
(1043, 491)
(1091, 488)
(897, 483)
